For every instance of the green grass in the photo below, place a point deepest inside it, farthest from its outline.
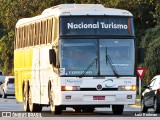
(138, 96)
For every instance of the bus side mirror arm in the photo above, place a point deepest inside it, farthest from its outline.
(52, 57)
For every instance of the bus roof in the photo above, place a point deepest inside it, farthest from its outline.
(76, 9)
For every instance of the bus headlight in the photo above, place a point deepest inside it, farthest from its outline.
(70, 88)
(130, 88)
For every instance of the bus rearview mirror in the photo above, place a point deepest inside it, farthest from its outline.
(52, 57)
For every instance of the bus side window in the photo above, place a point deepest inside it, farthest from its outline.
(17, 39)
(20, 37)
(27, 36)
(37, 35)
(34, 34)
(49, 36)
(45, 32)
(23, 41)
(52, 29)
(41, 33)
(36, 42)
(31, 35)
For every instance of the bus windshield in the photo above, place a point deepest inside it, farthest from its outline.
(76, 55)
(120, 52)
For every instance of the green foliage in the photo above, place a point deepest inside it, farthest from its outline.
(151, 43)
(146, 15)
(6, 52)
(150, 35)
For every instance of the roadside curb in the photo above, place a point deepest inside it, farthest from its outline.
(138, 101)
(137, 104)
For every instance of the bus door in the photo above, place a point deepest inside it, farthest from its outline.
(36, 76)
(44, 73)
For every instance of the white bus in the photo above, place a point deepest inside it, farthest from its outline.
(76, 55)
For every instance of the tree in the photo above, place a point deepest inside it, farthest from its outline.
(6, 50)
(151, 43)
(145, 12)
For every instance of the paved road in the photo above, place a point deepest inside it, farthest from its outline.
(12, 105)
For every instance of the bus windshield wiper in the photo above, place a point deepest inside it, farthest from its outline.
(109, 61)
(89, 66)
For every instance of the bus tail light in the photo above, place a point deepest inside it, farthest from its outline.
(132, 88)
(70, 88)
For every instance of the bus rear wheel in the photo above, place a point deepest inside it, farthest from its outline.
(117, 109)
(32, 106)
(25, 99)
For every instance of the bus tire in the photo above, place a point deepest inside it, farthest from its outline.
(88, 109)
(51, 101)
(58, 110)
(77, 109)
(25, 98)
(32, 106)
(117, 109)
(38, 108)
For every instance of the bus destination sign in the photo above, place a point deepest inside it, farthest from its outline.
(96, 26)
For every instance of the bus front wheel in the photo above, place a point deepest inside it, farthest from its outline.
(88, 109)
(77, 109)
(58, 110)
(117, 109)
(51, 101)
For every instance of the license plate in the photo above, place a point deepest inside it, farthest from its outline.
(98, 97)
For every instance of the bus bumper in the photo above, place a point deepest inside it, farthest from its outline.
(98, 97)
